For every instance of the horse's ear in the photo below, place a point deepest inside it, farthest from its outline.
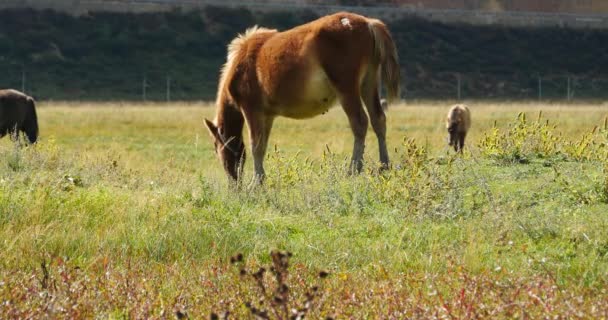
(212, 129)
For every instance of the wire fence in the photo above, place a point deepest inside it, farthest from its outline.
(524, 87)
(169, 86)
(153, 85)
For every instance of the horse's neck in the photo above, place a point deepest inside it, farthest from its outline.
(230, 120)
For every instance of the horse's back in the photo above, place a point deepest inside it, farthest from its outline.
(298, 69)
(13, 108)
(330, 40)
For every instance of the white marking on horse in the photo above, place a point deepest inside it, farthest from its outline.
(346, 22)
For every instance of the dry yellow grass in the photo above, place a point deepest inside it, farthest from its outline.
(82, 125)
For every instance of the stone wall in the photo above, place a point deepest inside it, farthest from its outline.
(477, 17)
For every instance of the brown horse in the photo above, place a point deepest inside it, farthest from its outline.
(300, 73)
(458, 123)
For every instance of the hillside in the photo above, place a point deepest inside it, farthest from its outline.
(107, 55)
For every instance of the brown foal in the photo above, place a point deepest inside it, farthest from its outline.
(300, 73)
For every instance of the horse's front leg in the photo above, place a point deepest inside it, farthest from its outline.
(259, 131)
(461, 138)
(14, 136)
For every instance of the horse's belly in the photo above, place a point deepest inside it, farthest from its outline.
(306, 110)
(315, 96)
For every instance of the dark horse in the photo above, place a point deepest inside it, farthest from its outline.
(300, 73)
(18, 114)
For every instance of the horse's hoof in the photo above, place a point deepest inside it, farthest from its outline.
(384, 167)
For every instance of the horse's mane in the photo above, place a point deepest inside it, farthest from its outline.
(234, 48)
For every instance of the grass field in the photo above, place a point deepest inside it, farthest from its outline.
(122, 210)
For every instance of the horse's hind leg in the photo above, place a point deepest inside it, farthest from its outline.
(351, 103)
(371, 98)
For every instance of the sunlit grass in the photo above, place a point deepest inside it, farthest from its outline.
(136, 188)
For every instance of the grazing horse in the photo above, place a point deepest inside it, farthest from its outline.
(300, 73)
(18, 113)
(458, 123)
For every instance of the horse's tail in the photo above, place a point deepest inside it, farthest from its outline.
(386, 52)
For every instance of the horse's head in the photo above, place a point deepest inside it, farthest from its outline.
(452, 126)
(455, 123)
(229, 149)
(451, 137)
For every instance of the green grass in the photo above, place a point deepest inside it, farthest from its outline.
(122, 199)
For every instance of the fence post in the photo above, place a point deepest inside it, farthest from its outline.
(23, 80)
(458, 85)
(568, 94)
(168, 89)
(540, 88)
(144, 85)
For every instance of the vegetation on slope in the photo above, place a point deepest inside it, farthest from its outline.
(108, 55)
